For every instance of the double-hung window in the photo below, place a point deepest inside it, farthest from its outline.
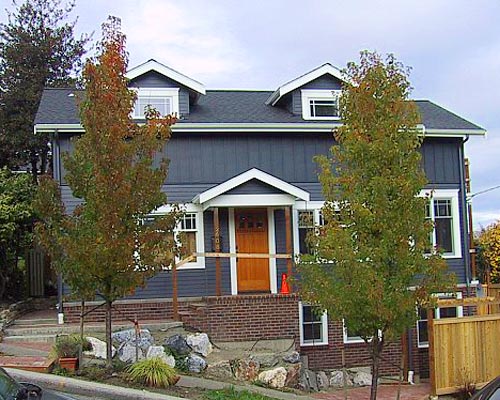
(313, 325)
(320, 104)
(308, 218)
(189, 229)
(442, 209)
(165, 101)
(438, 313)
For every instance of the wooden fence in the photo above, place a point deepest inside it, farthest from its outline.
(463, 350)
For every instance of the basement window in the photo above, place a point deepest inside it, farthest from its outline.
(313, 325)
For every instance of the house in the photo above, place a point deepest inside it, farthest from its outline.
(241, 163)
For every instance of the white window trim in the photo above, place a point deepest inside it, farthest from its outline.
(315, 207)
(447, 194)
(313, 94)
(354, 339)
(460, 314)
(324, 328)
(200, 236)
(172, 93)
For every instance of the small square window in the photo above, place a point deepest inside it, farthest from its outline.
(320, 104)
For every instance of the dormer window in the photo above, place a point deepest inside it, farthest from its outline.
(320, 104)
(166, 101)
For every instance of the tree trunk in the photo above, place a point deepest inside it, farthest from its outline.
(376, 347)
(109, 346)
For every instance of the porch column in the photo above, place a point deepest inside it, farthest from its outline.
(217, 248)
(175, 303)
(288, 241)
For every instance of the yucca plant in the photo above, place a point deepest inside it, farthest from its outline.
(153, 372)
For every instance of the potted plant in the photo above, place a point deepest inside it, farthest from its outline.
(66, 349)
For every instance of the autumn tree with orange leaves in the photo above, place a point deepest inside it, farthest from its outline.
(104, 248)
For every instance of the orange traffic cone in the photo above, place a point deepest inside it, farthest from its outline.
(285, 289)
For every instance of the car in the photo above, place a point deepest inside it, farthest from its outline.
(10, 389)
(489, 392)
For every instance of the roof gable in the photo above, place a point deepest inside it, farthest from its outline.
(303, 80)
(153, 65)
(247, 176)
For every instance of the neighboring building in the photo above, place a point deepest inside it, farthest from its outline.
(244, 158)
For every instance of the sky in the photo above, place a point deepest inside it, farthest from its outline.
(452, 46)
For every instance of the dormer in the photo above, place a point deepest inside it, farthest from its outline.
(313, 95)
(163, 88)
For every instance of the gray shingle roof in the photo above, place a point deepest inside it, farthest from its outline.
(59, 106)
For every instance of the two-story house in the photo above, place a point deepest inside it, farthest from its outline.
(241, 163)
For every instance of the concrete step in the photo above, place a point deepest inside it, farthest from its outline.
(49, 332)
(32, 322)
(50, 338)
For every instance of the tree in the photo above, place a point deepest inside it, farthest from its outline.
(489, 251)
(37, 49)
(370, 251)
(16, 218)
(103, 246)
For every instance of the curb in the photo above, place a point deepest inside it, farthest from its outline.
(77, 386)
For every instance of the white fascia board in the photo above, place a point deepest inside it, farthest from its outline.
(246, 176)
(250, 200)
(256, 127)
(48, 128)
(454, 132)
(302, 80)
(153, 65)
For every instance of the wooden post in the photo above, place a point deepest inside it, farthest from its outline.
(432, 362)
(217, 245)
(472, 248)
(175, 304)
(288, 241)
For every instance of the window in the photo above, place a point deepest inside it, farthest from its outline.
(313, 325)
(442, 209)
(441, 312)
(320, 104)
(187, 227)
(307, 217)
(165, 101)
(306, 226)
(351, 337)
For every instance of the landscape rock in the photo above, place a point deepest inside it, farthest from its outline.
(292, 358)
(200, 343)
(195, 363)
(362, 378)
(308, 381)
(293, 376)
(266, 360)
(274, 378)
(98, 348)
(337, 379)
(145, 338)
(245, 369)
(159, 351)
(322, 380)
(220, 370)
(178, 345)
(126, 353)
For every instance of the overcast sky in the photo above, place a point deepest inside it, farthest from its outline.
(453, 47)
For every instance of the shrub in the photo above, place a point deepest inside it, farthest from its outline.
(68, 346)
(152, 372)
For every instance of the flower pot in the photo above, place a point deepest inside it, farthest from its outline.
(68, 363)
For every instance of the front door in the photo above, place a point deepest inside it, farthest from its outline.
(251, 237)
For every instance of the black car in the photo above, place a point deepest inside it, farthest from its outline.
(489, 392)
(10, 389)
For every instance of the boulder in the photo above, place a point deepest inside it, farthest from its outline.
(159, 351)
(266, 360)
(293, 375)
(220, 370)
(308, 381)
(145, 339)
(322, 380)
(178, 345)
(362, 378)
(98, 348)
(337, 379)
(195, 363)
(274, 378)
(245, 369)
(200, 343)
(292, 358)
(126, 353)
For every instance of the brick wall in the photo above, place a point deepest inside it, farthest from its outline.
(123, 310)
(253, 317)
(356, 354)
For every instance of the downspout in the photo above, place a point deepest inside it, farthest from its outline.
(56, 174)
(465, 236)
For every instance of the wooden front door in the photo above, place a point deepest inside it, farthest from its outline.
(251, 237)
